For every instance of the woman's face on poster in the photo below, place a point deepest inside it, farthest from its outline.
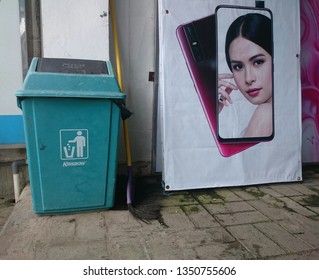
(252, 69)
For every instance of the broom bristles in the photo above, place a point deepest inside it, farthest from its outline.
(143, 204)
(145, 213)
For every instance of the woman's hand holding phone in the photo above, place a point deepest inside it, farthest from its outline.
(225, 88)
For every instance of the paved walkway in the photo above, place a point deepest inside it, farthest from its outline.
(279, 221)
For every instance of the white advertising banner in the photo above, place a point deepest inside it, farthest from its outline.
(230, 93)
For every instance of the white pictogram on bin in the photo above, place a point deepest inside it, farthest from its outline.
(74, 144)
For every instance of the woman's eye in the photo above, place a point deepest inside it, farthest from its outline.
(237, 67)
(259, 62)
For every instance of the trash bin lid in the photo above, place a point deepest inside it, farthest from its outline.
(73, 94)
(57, 77)
(71, 66)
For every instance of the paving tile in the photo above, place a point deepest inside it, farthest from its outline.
(199, 216)
(241, 218)
(270, 210)
(174, 217)
(301, 232)
(309, 255)
(229, 207)
(90, 226)
(274, 201)
(207, 198)
(171, 244)
(314, 209)
(73, 250)
(216, 240)
(256, 242)
(218, 244)
(118, 222)
(303, 189)
(272, 192)
(19, 242)
(291, 226)
(311, 238)
(296, 207)
(257, 192)
(218, 234)
(311, 184)
(286, 189)
(44, 228)
(128, 246)
(20, 250)
(283, 238)
(227, 195)
(301, 199)
(315, 190)
(221, 251)
(214, 243)
(178, 199)
(315, 218)
(307, 200)
(311, 202)
(308, 224)
(54, 228)
(243, 194)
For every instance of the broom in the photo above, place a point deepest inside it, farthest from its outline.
(148, 208)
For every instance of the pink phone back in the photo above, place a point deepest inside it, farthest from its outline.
(203, 73)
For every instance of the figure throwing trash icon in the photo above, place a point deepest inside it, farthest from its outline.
(72, 140)
(80, 143)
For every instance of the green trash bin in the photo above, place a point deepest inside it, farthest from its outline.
(71, 113)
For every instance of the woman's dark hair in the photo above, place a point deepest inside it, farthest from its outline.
(253, 27)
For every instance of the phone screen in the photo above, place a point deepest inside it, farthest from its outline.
(244, 76)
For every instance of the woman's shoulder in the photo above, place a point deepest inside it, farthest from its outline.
(264, 108)
(262, 114)
(261, 121)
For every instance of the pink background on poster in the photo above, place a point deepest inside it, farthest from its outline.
(309, 10)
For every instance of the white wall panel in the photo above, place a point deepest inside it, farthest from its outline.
(75, 29)
(136, 28)
(11, 75)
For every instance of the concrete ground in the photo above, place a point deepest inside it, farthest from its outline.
(278, 221)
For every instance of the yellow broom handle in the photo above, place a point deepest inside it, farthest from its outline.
(120, 80)
(116, 45)
(127, 144)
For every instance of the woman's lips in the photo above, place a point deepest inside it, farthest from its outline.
(253, 92)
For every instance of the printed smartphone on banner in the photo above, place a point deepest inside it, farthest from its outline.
(198, 44)
(244, 76)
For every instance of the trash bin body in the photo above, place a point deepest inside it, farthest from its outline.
(71, 126)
